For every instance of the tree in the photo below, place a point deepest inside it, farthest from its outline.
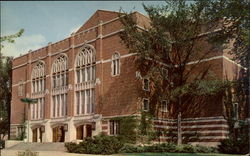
(177, 35)
(6, 84)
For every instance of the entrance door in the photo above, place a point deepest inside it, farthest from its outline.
(88, 131)
(34, 135)
(58, 134)
(79, 132)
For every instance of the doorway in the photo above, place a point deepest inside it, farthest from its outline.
(88, 131)
(58, 134)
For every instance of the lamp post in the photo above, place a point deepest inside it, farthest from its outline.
(27, 101)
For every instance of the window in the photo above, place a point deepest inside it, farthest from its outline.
(21, 89)
(59, 106)
(146, 84)
(114, 127)
(85, 100)
(38, 77)
(85, 72)
(164, 73)
(60, 72)
(37, 109)
(115, 64)
(20, 130)
(85, 64)
(164, 106)
(235, 111)
(146, 104)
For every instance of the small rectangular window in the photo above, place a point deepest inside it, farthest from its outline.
(146, 104)
(114, 127)
(235, 111)
(164, 106)
(146, 84)
(164, 73)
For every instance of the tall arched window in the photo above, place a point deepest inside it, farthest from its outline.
(115, 64)
(38, 78)
(60, 72)
(85, 78)
(38, 86)
(59, 85)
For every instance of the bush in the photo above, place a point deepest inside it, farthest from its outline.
(97, 145)
(234, 146)
(205, 149)
(128, 148)
(167, 147)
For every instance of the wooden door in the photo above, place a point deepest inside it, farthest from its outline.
(79, 132)
(34, 135)
(58, 134)
(88, 131)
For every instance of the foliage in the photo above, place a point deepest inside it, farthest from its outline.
(127, 129)
(167, 147)
(179, 33)
(100, 144)
(6, 83)
(234, 146)
(10, 38)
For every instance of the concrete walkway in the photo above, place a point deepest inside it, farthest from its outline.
(48, 153)
(44, 153)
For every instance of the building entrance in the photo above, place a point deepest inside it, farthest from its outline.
(58, 134)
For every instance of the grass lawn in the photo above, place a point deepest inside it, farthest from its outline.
(176, 154)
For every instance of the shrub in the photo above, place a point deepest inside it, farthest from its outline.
(234, 146)
(128, 148)
(205, 149)
(97, 145)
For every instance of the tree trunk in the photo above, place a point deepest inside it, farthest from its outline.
(179, 132)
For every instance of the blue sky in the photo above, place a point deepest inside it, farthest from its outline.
(51, 21)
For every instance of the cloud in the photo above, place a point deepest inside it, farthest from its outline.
(23, 44)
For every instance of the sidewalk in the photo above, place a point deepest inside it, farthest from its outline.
(43, 153)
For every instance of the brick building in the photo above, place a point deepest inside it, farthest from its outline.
(86, 79)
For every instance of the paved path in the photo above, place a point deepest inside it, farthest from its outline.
(45, 153)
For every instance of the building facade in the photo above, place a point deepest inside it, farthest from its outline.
(83, 81)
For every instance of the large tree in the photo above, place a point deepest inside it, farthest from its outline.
(5, 84)
(179, 33)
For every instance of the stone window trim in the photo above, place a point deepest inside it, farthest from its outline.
(59, 105)
(85, 76)
(146, 84)
(37, 110)
(60, 71)
(38, 78)
(115, 64)
(21, 89)
(145, 104)
(114, 127)
(164, 106)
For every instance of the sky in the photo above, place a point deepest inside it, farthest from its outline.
(51, 21)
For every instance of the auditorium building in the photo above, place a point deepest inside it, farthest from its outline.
(83, 81)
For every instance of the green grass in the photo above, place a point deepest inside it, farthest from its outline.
(176, 154)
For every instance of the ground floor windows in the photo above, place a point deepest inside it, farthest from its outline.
(145, 105)
(59, 107)
(37, 109)
(85, 100)
(114, 127)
